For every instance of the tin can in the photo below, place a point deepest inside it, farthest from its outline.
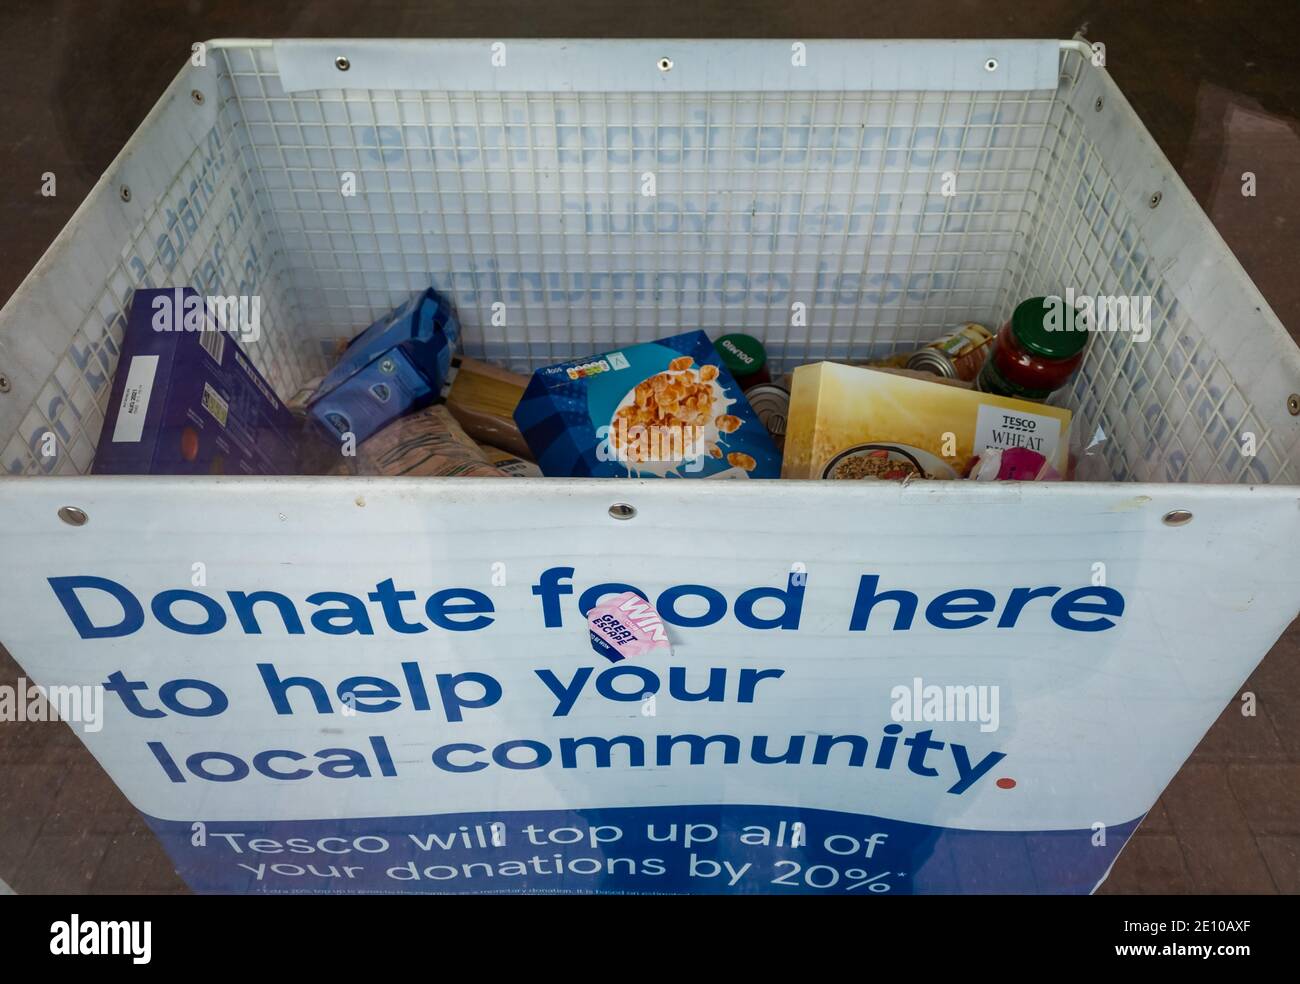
(896, 361)
(960, 354)
(771, 404)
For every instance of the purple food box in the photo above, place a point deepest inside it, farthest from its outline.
(186, 399)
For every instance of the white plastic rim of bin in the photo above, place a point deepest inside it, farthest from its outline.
(1093, 723)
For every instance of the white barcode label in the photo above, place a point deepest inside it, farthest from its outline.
(215, 405)
(214, 343)
(135, 399)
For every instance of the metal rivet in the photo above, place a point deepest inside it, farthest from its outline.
(665, 64)
(342, 63)
(197, 96)
(4, 386)
(1155, 199)
(1176, 517)
(1098, 104)
(125, 192)
(73, 516)
(1292, 403)
(991, 65)
(621, 510)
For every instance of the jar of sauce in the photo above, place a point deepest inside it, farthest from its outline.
(1034, 354)
(745, 358)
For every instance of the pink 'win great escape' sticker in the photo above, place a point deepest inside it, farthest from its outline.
(626, 625)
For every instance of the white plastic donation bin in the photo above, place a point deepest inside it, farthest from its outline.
(600, 193)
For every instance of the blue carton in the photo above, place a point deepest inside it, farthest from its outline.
(186, 400)
(665, 409)
(397, 365)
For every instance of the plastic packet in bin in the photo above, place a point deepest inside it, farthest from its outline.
(425, 444)
(1012, 465)
(397, 365)
(1088, 456)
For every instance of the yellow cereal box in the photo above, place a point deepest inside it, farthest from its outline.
(848, 422)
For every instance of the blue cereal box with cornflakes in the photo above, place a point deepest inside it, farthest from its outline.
(665, 409)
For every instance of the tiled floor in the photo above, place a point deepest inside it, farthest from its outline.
(1215, 82)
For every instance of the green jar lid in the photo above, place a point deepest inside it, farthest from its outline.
(743, 355)
(1051, 330)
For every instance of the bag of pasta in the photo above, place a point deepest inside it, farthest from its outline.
(428, 443)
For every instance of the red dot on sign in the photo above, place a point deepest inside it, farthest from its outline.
(1006, 783)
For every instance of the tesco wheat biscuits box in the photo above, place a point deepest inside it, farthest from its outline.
(186, 399)
(846, 422)
(665, 409)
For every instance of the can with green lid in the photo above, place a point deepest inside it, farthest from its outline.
(745, 358)
(1037, 350)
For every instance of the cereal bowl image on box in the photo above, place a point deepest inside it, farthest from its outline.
(887, 462)
(672, 418)
(665, 409)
